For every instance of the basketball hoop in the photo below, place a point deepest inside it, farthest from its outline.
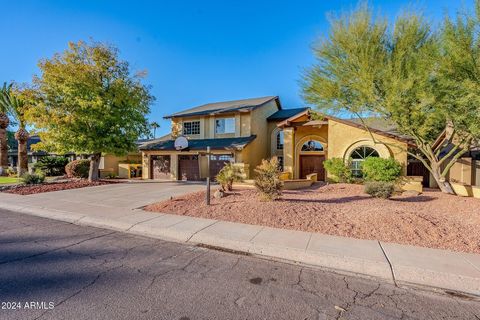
(181, 143)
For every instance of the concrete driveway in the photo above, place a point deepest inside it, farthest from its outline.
(120, 196)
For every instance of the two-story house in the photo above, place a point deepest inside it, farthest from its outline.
(247, 131)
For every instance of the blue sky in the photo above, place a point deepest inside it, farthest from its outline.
(195, 51)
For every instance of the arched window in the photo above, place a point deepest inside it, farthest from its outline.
(312, 145)
(280, 140)
(358, 156)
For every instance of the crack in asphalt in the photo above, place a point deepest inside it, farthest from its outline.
(56, 249)
(85, 287)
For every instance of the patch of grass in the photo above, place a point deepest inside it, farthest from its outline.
(8, 180)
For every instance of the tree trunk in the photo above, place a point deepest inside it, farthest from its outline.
(3, 151)
(94, 165)
(22, 166)
(443, 183)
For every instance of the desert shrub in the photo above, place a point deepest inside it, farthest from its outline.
(379, 189)
(228, 175)
(267, 180)
(51, 166)
(78, 168)
(381, 169)
(339, 170)
(33, 178)
(11, 172)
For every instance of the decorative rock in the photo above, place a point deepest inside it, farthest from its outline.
(410, 193)
(219, 194)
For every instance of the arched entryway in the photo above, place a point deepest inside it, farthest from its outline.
(310, 155)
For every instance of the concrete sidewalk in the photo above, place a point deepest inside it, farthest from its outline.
(400, 264)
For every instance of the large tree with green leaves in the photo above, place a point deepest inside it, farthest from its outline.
(403, 72)
(90, 103)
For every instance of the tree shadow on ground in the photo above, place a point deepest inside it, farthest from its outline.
(414, 199)
(334, 200)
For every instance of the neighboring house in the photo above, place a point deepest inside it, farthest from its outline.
(247, 131)
(33, 156)
(465, 170)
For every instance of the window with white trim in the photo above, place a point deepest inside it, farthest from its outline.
(225, 125)
(191, 127)
(280, 140)
(358, 156)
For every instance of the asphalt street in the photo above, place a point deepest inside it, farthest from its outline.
(56, 270)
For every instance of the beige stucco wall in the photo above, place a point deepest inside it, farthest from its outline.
(109, 162)
(463, 171)
(343, 139)
(273, 130)
(259, 148)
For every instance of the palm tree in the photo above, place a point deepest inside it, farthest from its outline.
(4, 122)
(17, 105)
(154, 126)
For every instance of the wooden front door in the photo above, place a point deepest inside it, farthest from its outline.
(312, 164)
(188, 168)
(160, 167)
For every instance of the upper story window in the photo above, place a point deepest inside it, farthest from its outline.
(280, 140)
(225, 125)
(312, 145)
(191, 127)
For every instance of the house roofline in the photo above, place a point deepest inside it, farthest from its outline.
(223, 111)
(347, 122)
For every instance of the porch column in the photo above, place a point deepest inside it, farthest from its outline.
(289, 151)
(145, 166)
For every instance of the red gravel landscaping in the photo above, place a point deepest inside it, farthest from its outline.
(55, 186)
(432, 219)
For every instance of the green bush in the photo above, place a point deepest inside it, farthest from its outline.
(33, 178)
(379, 189)
(228, 175)
(51, 166)
(381, 169)
(267, 180)
(338, 169)
(78, 169)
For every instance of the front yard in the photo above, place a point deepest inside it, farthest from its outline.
(8, 180)
(433, 219)
(67, 184)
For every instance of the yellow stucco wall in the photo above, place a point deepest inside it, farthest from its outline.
(343, 139)
(109, 162)
(259, 148)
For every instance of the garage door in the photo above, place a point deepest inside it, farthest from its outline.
(160, 166)
(217, 162)
(188, 168)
